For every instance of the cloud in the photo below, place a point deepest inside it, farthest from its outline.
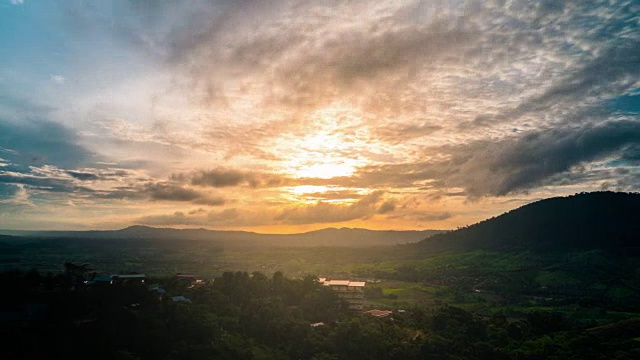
(200, 218)
(38, 182)
(422, 216)
(386, 207)
(615, 67)
(9, 151)
(40, 142)
(109, 183)
(176, 218)
(318, 213)
(220, 178)
(323, 212)
(334, 195)
(7, 191)
(528, 161)
(486, 168)
(85, 176)
(411, 69)
(170, 192)
(432, 216)
(439, 98)
(298, 60)
(14, 195)
(58, 79)
(16, 2)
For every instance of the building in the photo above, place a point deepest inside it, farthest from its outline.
(186, 278)
(379, 313)
(350, 291)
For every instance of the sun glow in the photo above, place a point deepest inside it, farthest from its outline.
(330, 145)
(325, 171)
(308, 189)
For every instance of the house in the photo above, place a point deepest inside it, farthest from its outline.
(157, 288)
(379, 313)
(186, 278)
(350, 291)
(190, 279)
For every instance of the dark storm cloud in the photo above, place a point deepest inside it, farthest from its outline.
(529, 161)
(230, 177)
(56, 185)
(632, 154)
(486, 168)
(85, 176)
(171, 192)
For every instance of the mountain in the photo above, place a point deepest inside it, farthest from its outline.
(598, 220)
(324, 237)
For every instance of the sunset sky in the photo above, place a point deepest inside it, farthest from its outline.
(289, 116)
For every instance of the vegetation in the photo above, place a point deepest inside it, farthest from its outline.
(599, 220)
(243, 316)
(483, 292)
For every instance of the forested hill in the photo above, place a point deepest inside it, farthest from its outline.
(602, 220)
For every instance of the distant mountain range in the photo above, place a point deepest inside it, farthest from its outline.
(603, 220)
(324, 237)
(598, 220)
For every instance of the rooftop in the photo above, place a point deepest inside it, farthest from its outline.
(379, 313)
(341, 282)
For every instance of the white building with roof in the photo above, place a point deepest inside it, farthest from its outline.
(350, 291)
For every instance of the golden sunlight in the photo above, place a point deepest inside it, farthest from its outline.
(308, 189)
(325, 171)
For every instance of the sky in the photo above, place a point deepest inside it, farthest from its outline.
(289, 116)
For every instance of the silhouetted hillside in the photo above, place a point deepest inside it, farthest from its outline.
(323, 237)
(605, 220)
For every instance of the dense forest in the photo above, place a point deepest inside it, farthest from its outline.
(252, 316)
(598, 220)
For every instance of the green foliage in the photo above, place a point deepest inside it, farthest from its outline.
(488, 294)
(242, 316)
